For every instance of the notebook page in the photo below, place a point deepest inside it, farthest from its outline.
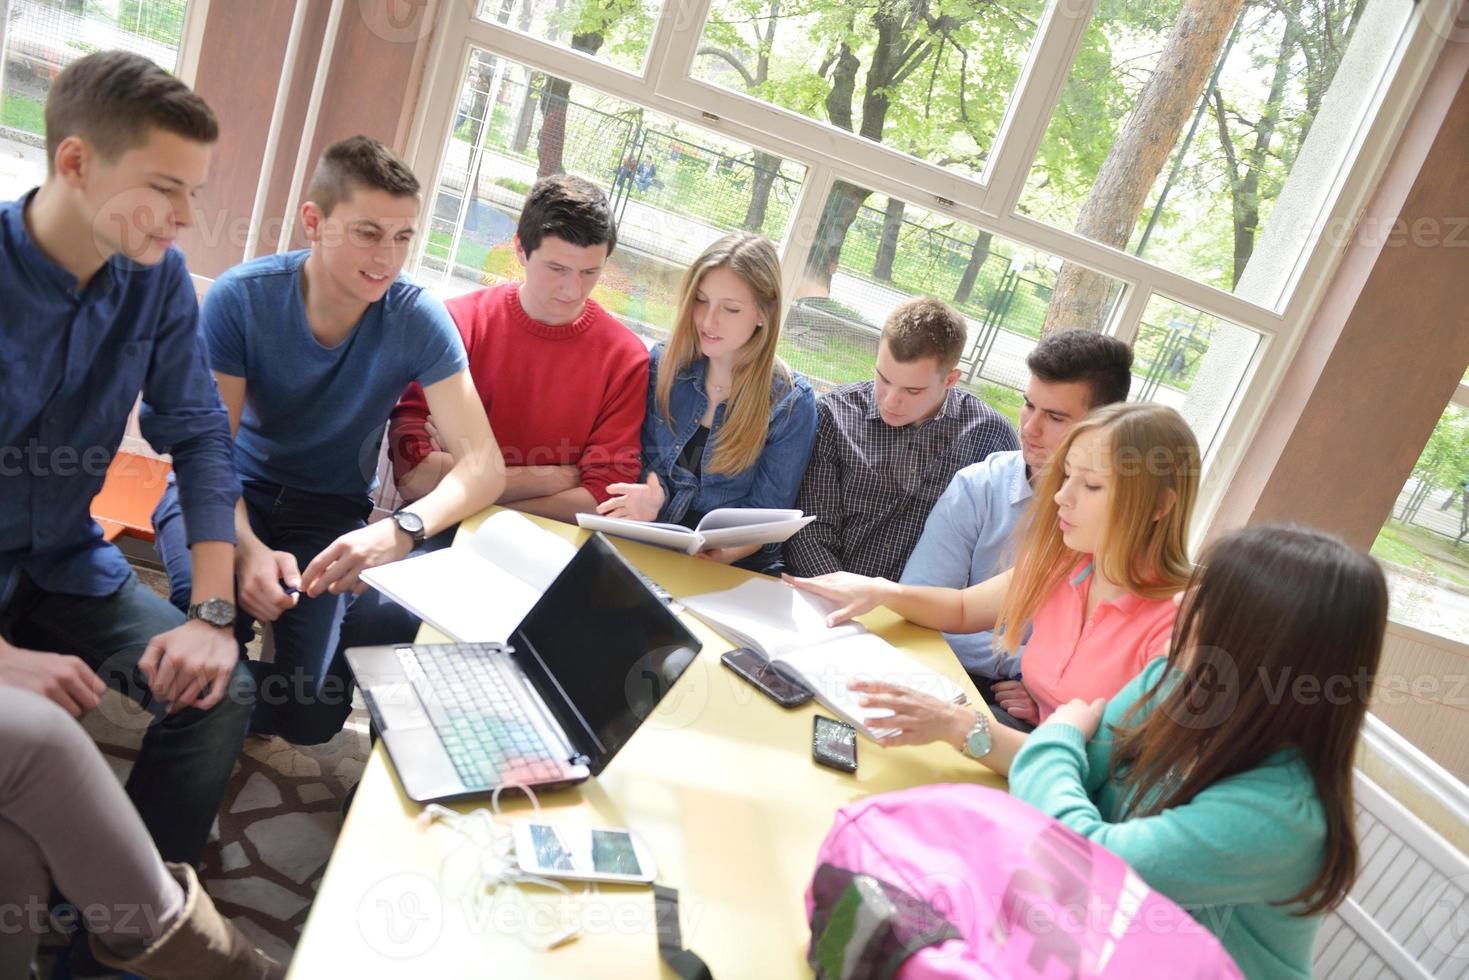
(739, 536)
(519, 547)
(723, 517)
(770, 616)
(480, 592)
(673, 536)
(829, 667)
(458, 592)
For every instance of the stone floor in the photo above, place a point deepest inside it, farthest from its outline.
(278, 823)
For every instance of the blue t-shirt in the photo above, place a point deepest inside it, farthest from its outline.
(313, 416)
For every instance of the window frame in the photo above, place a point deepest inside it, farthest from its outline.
(191, 41)
(988, 202)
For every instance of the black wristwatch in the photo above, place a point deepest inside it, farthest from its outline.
(215, 612)
(410, 523)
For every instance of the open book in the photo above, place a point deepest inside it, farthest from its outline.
(478, 592)
(789, 628)
(725, 527)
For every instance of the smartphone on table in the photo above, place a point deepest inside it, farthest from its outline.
(582, 853)
(834, 743)
(784, 691)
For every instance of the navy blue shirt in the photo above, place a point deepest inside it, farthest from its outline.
(71, 367)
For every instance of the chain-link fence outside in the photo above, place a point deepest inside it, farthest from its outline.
(674, 192)
(44, 36)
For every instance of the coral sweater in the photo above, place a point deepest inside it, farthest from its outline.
(570, 394)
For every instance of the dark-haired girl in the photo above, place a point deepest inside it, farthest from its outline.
(1223, 774)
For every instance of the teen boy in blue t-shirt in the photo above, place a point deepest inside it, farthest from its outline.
(311, 351)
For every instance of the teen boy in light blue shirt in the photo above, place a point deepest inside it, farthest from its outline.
(969, 533)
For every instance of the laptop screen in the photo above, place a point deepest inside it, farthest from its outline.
(602, 649)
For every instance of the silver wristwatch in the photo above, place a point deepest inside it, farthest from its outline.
(216, 612)
(977, 744)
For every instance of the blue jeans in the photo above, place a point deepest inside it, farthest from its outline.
(186, 758)
(305, 694)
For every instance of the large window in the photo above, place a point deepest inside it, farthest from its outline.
(873, 252)
(1182, 126)
(1194, 362)
(993, 155)
(675, 188)
(44, 36)
(1424, 546)
(616, 32)
(931, 80)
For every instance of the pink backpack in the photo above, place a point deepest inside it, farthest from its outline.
(966, 881)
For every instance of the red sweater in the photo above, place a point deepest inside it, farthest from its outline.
(570, 394)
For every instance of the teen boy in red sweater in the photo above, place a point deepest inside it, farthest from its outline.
(564, 383)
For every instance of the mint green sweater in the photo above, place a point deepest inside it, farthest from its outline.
(1243, 843)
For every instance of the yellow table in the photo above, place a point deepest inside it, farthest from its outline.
(718, 781)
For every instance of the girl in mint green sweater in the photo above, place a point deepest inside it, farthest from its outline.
(1223, 775)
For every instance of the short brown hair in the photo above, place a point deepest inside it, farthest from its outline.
(112, 99)
(356, 163)
(569, 208)
(925, 327)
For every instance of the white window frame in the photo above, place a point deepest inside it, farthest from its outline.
(191, 41)
(828, 154)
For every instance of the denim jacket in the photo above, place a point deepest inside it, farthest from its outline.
(771, 482)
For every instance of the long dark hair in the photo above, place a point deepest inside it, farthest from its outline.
(1269, 606)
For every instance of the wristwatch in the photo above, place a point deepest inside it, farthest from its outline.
(410, 523)
(215, 612)
(977, 744)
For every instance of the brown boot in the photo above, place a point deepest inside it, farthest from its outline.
(200, 945)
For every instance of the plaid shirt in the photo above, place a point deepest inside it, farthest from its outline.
(871, 485)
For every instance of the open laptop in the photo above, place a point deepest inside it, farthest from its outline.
(549, 708)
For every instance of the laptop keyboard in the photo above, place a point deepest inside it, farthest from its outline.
(490, 738)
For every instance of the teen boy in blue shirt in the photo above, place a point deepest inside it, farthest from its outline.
(311, 350)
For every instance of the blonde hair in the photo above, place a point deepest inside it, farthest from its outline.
(1145, 547)
(747, 412)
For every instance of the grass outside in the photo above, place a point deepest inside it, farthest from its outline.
(23, 113)
(1423, 552)
(830, 357)
(471, 253)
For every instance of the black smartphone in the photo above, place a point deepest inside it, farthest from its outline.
(834, 743)
(754, 668)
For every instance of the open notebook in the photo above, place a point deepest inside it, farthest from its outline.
(723, 527)
(478, 592)
(789, 629)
